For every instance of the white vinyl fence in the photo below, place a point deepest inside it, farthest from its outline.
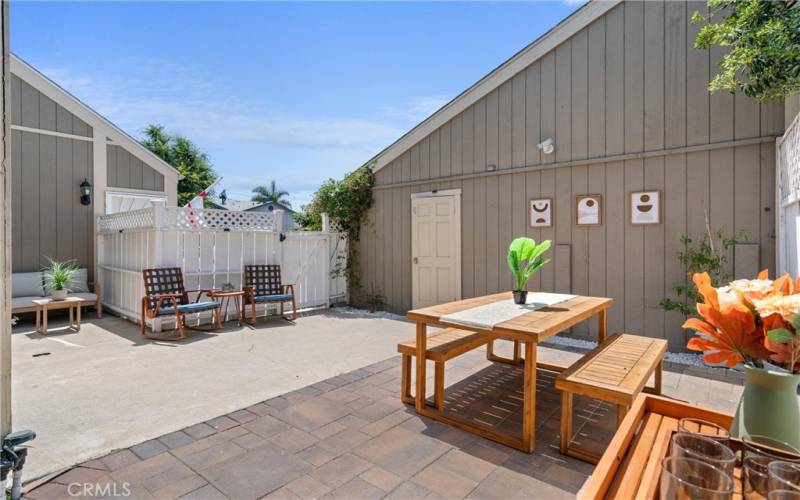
(212, 247)
(788, 199)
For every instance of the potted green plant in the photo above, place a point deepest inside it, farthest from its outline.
(524, 259)
(57, 277)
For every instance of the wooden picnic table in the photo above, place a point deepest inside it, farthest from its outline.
(529, 328)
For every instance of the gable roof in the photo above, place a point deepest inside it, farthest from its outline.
(279, 205)
(51, 89)
(575, 22)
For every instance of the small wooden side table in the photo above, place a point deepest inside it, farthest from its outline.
(44, 305)
(225, 297)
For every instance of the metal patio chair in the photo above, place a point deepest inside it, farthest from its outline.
(165, 295)
(262, 285)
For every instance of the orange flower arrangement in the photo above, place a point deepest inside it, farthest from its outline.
(748, 321)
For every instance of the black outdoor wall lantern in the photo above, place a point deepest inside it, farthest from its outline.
(86, 192)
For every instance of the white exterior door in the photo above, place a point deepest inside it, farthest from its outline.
(435, 248)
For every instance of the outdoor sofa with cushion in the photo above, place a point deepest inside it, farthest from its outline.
(27, 287)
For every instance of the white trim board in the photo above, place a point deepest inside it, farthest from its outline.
(442, 192)
(578, 20)
(52, 132)
(40, 82)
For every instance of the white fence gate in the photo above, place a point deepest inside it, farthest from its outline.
(212, 247)
(788, 199)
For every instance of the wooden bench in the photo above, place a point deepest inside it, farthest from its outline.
(443, 345)
(616, 371)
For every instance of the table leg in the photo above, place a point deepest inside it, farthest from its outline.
(659, 375)
(44, 320)
(529, 406)
(38, 320)
(239, 311)
(71, 317)
(422, 347)
(601, 326)
(566, 420)
(78, 325)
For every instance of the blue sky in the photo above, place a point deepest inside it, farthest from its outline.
(296, 92)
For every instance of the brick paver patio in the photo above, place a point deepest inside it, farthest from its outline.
(351, 437)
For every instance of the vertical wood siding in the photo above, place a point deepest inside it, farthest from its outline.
(630, 82)
(127, 171)
(48, 219)
(30, 108)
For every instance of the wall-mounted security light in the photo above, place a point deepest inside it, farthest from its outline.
(491, 168)
(547, 146)
(86, 192)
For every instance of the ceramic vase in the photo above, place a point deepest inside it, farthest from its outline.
(769, 406)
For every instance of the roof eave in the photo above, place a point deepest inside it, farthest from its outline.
(43, 84)
(576, 21)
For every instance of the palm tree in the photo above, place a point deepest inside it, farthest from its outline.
(264, 194)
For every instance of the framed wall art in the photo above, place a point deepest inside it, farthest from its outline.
(645, 207)
(541, 212)
(589, 210)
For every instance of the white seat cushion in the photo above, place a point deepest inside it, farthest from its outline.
(27, 285)
(23, 302)
(80, 281)
(84, 295)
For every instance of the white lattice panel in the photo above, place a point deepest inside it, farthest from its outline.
(789, 163)
(135, 219)
(788, 191)
(187, 218)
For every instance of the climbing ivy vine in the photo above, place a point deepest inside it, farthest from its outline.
(346, 202)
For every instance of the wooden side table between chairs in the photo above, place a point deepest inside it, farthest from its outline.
(225, 296)
(44, 305)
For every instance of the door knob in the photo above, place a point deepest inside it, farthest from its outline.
(416, 260)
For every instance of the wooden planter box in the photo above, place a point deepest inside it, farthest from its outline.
(631, 465)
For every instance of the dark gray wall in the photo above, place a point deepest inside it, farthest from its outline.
(30, 108)
(48, 219)
(127, 171)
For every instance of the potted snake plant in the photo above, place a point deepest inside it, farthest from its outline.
(57, 276)
(524, 259)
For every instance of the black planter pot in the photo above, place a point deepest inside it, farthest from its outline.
(520, 296)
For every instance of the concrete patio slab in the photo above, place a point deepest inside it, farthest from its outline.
(103, 388)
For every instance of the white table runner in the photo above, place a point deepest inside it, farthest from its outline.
(488, 315)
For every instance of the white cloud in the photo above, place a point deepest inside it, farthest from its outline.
(417, 110)
(249, 142)
(192, 103)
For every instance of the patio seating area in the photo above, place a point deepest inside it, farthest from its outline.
(292, 427)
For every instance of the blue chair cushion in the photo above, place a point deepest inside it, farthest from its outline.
(190, 308)
(283, 297)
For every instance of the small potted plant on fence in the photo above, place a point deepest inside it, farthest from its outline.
(57, 277)
(524, 259)
(755, 323)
